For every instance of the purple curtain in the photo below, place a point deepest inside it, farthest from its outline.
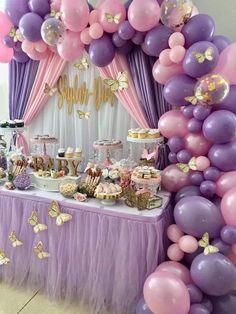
(21, 79)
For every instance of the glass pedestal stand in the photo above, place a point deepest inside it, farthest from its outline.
(107, 149)
(44, 143)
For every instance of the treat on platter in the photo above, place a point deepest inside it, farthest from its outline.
(145, 172)
(69, 152)
(77, 152)
(61, 152)
(108, 191)
(68, 188)
(107, 143)
(12, 123)
(144, 133)
(51, 174)
(45, 138)
(93, 176)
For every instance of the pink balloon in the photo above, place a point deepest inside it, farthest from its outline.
(228, 207)
(6, 54)
(85, 37)
(165, 293)
(56, 5)
(173, 179)
(75, 14)
(96, 31)
(94, 17)
(144, 15)
(163, 73)
(176, 39)
(179, 270)
(35, 55)
(226, 65)
(197, 144)
(173, 123)
(177, 54)
(188, 244)
(27, 46)
(202, 163)
(5, 25)
(40, 46)
(71, 48)
(174, 233)
(226, 182)
(164, 58)
(114, 8)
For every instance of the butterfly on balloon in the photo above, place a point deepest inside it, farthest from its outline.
(40, 253)
(119, 84)
(113, 19)
(207, 55)
(56, 15)
(205, 243)
(191, 165)
(55, 212)
(15, 35)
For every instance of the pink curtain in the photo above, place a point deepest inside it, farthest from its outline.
(128, 97)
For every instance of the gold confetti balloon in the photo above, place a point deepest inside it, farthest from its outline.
(176, 13)
(52, 31)
(211, 89)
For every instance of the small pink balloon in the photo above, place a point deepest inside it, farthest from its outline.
(174, 233)
(93, 17)
(96, 31)
(173, 123)
(188, 244)
(5, 25)
(177, 54)
(175, 253)
(173, 179)
(40, 46)
(202, 163)
(228, 208)
(197, 144)
(6, 54)
(164, 58)
(27, 46)
(163, 73)
(71, 47)
(179, 270)
(56, 5)
(85, 37)
(226, 182)
(176, 39)
(35, 55)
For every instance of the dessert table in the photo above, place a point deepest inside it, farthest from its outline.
(101, 257)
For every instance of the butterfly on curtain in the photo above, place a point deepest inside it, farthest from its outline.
(207, 55)
(38, 250)
(204, 243)
(15, 35)
(82, 64)
(187, 167)
(48, 90)
(148, 156)
(33, 221)
(55, 14)
(83, 115)
(55, 212)
(14, 241)
(3, 259)
(113, 19)
(119, 84)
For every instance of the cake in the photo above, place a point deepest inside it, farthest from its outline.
(3, 124)
(145, 172)
(11, 123)
(78, 152)
(107, 142)
(69, 152)
(61, 152)
(108, 191)
(19, 123)
(142, 133)
(134, 133)
(153, 133)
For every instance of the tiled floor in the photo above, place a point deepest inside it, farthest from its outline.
(13, 301)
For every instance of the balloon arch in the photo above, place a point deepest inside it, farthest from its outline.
(198, 70)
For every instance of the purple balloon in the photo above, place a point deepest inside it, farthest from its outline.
(126, 48)
(195, 293)
(208, 188)
(198, 309)
(191, 256)
(172, 158)
(229, 103)
(225, 304)
(139, 38)
(126, 31)
(30, 26)
(102, 51)
(9, 41)
(196, 178)
(142, 307)
(196, 215)
(211, 174)
(117, 41)
(21, 57)
(156, 40)
(190, 190)
(220, 127)
(228, 234)
(223, 156)
(188, 111)
(41, 7)
(18, 46)
(214, 274)
(175, 144)
(15, 9)
(201, 112)
(207, 303)
(221, 42)
(178, 88)
(191, 64)
(194, 125)
(200, 27)
(223, 247)
(184, 156)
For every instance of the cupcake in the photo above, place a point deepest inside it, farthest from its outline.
(155, 173)
(78, 152)
(69, 152)
(153, 133)
(134, 134)
(130, 131)
(19, 123)
(61, 152)
(11, 124)
(3, 124)
(142, 134)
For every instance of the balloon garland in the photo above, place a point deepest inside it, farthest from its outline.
(198, 70)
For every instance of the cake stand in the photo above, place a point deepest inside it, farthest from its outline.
(44, 142)
(107, 149)
(146, 184)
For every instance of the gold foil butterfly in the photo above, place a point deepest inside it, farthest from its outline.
(207, 55)
(38, 250)
(54, 212)
(33, 221)
(204, 243)
(55, 14)
(83, 115)
(187, 167)
(119, 84)
(82, 65)
(15, 35)
(48, 90)
(3, 259)
(14, 241)
(113, 19)
(192, 99)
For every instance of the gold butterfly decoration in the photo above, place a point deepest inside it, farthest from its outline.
(119, 84)
(15, 35)
(38, 250)
(54, 212)
(207, 55)
(187, 167)
(82, 65)
(14, 241)
(204, 243)
(33, 221)
(113, 19)
(192, 99)
(3, 259)
(48, 90)
(83, 115)
(55, 14)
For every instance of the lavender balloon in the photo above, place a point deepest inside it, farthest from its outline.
(126, 31)
(138, 38)
(102, 51)
(212, 174)
(229, 103)
(41, 7)
(30, 25)
(223, 247)
(225, 304)
(196, 178)
(52, 31)
(117, 41)
(195, 293)
(9, 41)
(208, 189)
(190, 190)
(207, 303)
(223, 156)
(228, 234)
(198, 309)
(221, 42)
(201, 112)
(196, 215)
(142, 307)
(175, 144)
(126, 48)
(184, 156)
(214, 274)
(15, 9)
(188, 111)
(194, 126)
(172, 158)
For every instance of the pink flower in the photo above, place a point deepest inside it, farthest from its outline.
(79, 197)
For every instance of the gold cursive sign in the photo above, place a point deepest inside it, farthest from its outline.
(76, 94)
